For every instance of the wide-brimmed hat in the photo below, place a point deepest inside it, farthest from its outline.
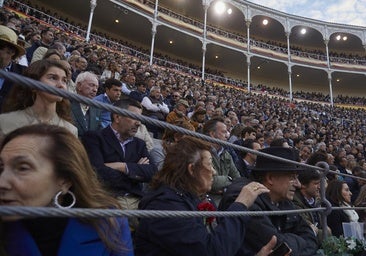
(8, 36)
(269, 165)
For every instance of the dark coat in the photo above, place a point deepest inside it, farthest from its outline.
(103, 147)
(136, 95)
(335, 219)
(186, 236)
(232, 192)
(290, 228)
(84, 124)
(7, 85)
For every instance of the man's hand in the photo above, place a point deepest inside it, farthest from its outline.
(144, 160)
(268, 248)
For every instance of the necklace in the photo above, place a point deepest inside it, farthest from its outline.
(33, 116)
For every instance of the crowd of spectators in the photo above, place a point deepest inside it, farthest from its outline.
(221, 97)
(111, 74)
(161, 73)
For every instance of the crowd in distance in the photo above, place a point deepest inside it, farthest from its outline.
(126, 158)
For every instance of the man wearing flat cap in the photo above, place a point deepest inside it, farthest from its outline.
(9, 51)
(180, 112)
(282, 181)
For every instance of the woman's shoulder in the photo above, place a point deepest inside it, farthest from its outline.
(12, 114)
(69, 126)
(13, 120)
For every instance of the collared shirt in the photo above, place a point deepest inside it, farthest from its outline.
(218, 152)
(310, 201)
(106, 96)
(84, 108)
(122, 143)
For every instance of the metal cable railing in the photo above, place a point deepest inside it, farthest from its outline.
(94, 213)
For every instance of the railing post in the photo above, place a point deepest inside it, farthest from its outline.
(323, 199)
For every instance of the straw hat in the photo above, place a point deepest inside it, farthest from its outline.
(8, 36)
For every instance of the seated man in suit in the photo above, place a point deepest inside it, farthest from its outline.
(282, 181)
(121, 160)
(86, 118)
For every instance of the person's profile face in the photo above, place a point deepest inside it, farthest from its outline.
(312, 189)
(27, 175)
(114, 93)
(346, 193)
(206, 172)
(284, 185)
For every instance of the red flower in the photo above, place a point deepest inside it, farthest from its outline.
(207, 206)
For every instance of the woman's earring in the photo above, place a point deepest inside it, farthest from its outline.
(58, 205)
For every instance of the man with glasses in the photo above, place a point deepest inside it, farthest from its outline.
(282, 181)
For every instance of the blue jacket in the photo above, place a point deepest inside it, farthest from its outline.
(105, 116)
(186, 236)
(78, 239)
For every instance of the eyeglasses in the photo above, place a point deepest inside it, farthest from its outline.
(176, 96)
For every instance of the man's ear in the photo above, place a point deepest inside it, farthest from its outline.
(115, 117)
(269, 178)
(190, 169)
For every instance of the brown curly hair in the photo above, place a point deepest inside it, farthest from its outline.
(21, 97)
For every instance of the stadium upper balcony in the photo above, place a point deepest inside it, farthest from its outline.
(288, 25)
(179, 32)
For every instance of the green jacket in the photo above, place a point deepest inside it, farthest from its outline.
(301, 203)
(226, 171)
